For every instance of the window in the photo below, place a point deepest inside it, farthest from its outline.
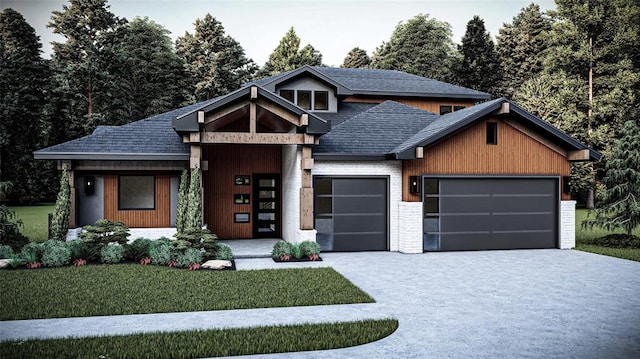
(304, 99)
(136, 192)
(321, 100)
(458, 108)
(445, 110)
(287, 95)
(492, 133)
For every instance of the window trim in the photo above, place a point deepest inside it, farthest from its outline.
(315, 101)
(120, 208)
(449, 107)
(492, 133)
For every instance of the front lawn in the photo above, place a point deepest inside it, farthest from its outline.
(35, 220)
(585, 238)
(135, 289)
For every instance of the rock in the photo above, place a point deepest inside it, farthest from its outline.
(216, 264)
(4, 263)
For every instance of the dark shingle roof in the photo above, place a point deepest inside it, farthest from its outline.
(346, 110)
(151, 138)
(375, 132)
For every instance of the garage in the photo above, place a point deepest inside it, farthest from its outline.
(490, 213)
(351, 214)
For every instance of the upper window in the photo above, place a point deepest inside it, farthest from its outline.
(458, 108)
(136, 192)
(287, 95)
(445, 110)
(492, 133)
(321, 100)
(304, 99)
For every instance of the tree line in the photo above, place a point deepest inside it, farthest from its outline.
(110, 71)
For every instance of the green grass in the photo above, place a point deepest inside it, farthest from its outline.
(586, 236)
(136, 289)
(207, 343)
(34, 219)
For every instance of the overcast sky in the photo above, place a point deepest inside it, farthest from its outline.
(333, 27)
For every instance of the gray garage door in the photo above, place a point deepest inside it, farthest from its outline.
(351, 214)
(490, 213)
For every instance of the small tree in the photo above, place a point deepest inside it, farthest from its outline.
(183, 192)
(60, 221)
(619, 204)
(194, 206)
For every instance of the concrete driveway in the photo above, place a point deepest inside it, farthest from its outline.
(496, 304)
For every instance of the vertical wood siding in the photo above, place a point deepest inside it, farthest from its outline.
(226, 162)
(426, 105)
(159, 217)
(467, 153)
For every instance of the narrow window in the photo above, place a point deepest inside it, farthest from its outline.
(287, 95)
(492, 133)
(136, 192)
(304, 99)
(457, 108)
(445, 110)
(321, 100)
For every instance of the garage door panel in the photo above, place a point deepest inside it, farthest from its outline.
(358, 204)
(523, 204)
(350, 242)
(466, 222)
(355, 186)
(509, 222)
(360, 222)
(461, 204)
(482, 241)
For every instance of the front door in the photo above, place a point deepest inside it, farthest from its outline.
(266, 206)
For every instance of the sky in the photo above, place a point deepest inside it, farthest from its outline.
(332, 27)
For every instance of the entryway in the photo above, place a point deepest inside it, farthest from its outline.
(266, 206)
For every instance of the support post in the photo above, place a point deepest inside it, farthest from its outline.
(306, 190)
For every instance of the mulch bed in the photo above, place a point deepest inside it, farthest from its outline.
(303, 259)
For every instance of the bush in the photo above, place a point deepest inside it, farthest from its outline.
(188, 257)
(32, 252)
(309, 248)
(112, 253)
(5, 251)
(295, 251)
(14, 260)
(105, 231)
(55, 253)
(161, 252)
(223, 252)
(138, 249)
(618, 241)
(80, 250)
(197, 238)
(282, 248)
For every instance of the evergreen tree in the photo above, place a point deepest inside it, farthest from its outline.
(23, 83)
(181, 211)
(479, 66)
(521, 47)
(619, 204)
(357, 58)
(62, 210)
(194, 205)
(421, 46)
(215, 62)
(288, 56)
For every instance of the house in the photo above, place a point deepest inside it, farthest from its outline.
(355, 159)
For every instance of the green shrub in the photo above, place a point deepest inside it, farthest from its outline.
(32, 252)
(295, 251)
(281, 248)
(223, 252)
(10, 229)
(618, 241)
(112, 253)
(62, 210)
(138, 249)
(161, 252)
(55, 253)
(15, 260)
(5, 251)
(189, 256)
(80, 250)
(308, 248)
(105, 231)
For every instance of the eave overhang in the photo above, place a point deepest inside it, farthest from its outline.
(110, 156)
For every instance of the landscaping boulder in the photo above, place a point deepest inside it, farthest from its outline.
(216, 264)
(4, 263)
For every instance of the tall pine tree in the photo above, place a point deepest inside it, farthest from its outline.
(479, 66)
(288, 56)
(357, 58)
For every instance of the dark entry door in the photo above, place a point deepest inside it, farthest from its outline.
(266, 206)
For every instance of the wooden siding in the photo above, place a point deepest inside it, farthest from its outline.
(226, 162)
(467, 153)
(432, 105)
(159, 217)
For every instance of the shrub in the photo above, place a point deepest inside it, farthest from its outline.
(198, 238)
(281, 248)
(295, 251)
(5, 251)
(105, 231)
(181, 211)
(60, 220)
(55, 253)
(80, 250)
(223, 252)
(193, 215)
(138, 249)
(161, 252)
(188, 257)
(14, 260)
(10, 229)
(618, 241)
(309, 248)
(112, 253)
(32, 252)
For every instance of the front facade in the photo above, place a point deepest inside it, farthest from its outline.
(354, 159)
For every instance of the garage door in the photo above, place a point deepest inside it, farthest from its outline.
(490, 213)
(351, 214)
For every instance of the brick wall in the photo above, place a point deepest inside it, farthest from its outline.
(567, 224)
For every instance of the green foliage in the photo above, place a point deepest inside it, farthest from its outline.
(296, 252)
(479, 65)
(194, 205)
(134, 289)
(281, 248)
(32, 252)
(198, 238)
(289, 56)
(618, 240)
(5, 251)
(55, 253)
(357, 58)
(183, 193)
(60, 220)
(105, 231)
(138, 249)
(10, 228)
(112, 253)
(215, 62)
(189, 256)
(420, 46)
(209, 343)
(15, 260)
(308, 248)
(618, 206)
(223, 252)
(80, 250)
(161, 252)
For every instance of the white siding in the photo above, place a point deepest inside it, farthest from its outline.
(410, 227)
(567, 224)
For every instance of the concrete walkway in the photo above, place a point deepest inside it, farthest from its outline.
(506, 304)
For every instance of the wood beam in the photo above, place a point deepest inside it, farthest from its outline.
(223, 112)
(254, 138)
(504, 108)
(194, 137)
(254, 93)
(306, 208)
(280, 112)
(307, 161)
(196, 156)
(185, 138)
(579, 155)
(304, 119)
(536, 136)
(419, 152)
(253, 120)
(200, 116)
